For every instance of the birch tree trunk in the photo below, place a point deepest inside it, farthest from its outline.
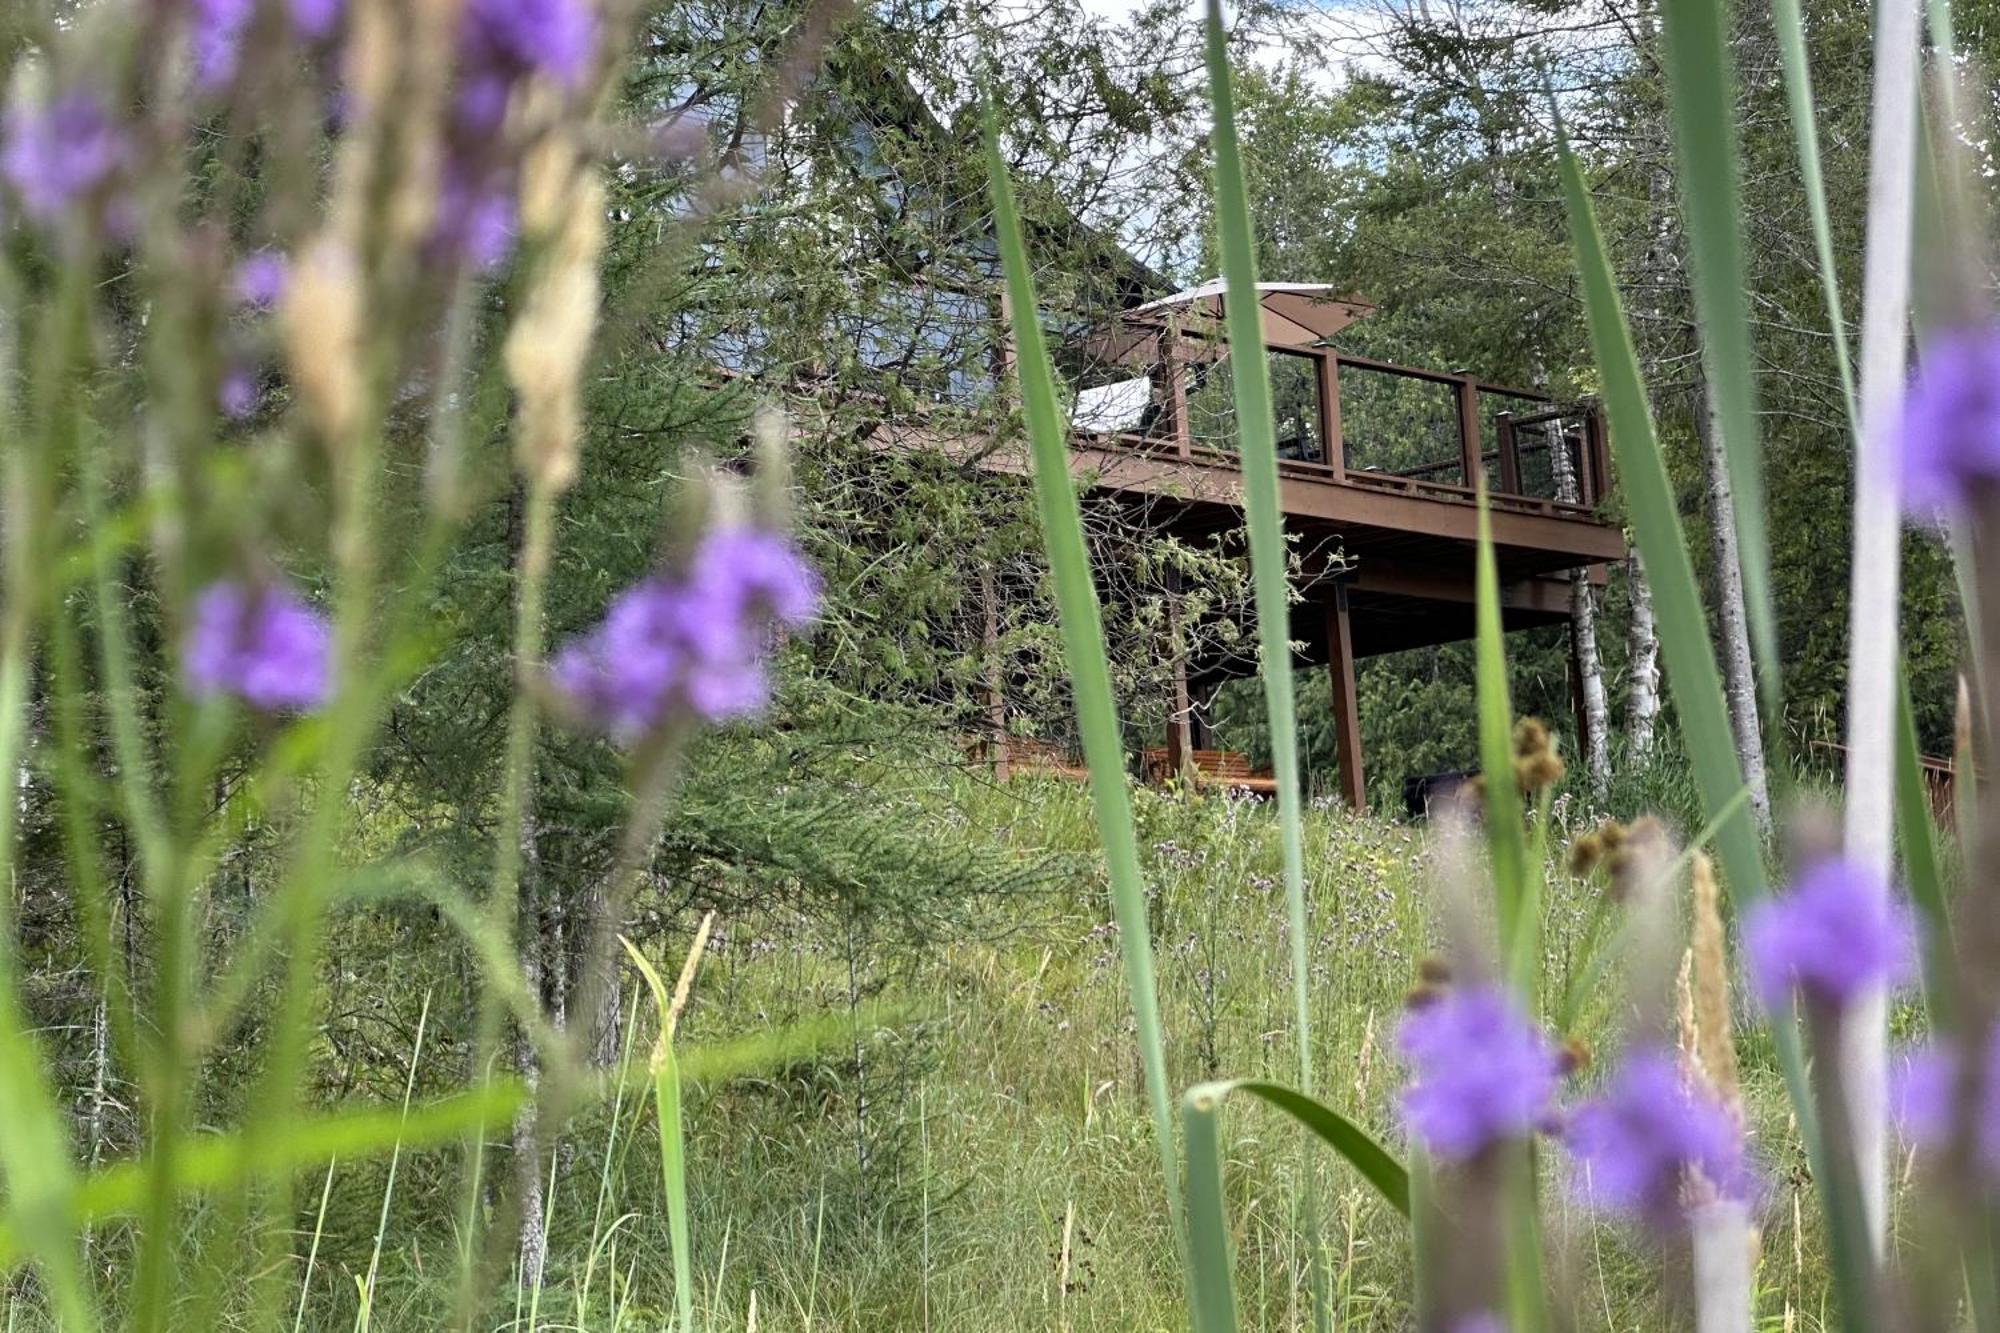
(1642, 656)
(1739, 677)
(1595, 743)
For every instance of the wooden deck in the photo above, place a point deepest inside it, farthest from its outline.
(1388, 555)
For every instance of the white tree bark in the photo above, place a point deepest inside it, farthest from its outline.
(1642, 657)
(1739, 676)
(1595, 744)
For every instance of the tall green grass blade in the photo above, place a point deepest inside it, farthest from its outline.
(1083, 648)
(1691, 668)
(673, 1143)
(1210, 1269)
(395, 1160)
(1519, 915)
(1374, 1162)
(1257, 445)
(211, 1164)
(1701, 89)
(312, 1252)
(1917, 834)
(1791, 27)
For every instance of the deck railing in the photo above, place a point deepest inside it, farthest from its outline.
(1364, 422)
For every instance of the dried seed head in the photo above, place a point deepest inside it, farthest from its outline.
(1585, 853)
(1434, 971)
(321, 320)
(1422, 997)
(1536, 763)
(550, 342)
(1716, 1039)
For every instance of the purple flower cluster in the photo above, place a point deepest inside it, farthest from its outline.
(60, 153)
(260, 643)
(1641, 1145)
(689, 644)
(1839, 933)
(1481, 1071)
(1924, 1094)
(217, 29)
(502, 44)
(1951, 420)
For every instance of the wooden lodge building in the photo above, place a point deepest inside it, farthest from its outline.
(1378, 462)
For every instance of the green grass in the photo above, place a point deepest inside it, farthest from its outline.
(918, 1175)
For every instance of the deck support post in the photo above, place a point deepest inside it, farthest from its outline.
(996, 699)
(1180, 707)
(1346, 701)
(1578, 706)
(1173, 363)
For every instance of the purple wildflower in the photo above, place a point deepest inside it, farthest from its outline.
(691, 643)
(237, 394)
(1640, 1144)
(259, 282)
(216, 30)
(1481, 1071)
(1924, 1092)
(1951, 420)
(315, 19)
(475, 217)
(1838, 933)
(258, 642)
(54, 155)
(519, 37)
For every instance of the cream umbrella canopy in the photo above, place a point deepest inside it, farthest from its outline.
(1295, 314)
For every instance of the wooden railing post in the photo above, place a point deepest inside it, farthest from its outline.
(1333, 449)
(1468, 429)
(1597, 453)
(1174, 369)
(1510, 455)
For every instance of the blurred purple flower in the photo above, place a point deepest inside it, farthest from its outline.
(56, 154)
(691, 643)
(1483, 1321)
(315, 20)
(237, 394)
(216, 30)
(1638, 1145)
(1923, 1091)
(259, 282)
(1951, 420)
(258, 642)
(1840, 931)
(475, 217)
(519, 37)
(1480, 1071)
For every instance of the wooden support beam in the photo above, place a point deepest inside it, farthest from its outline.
(1578, 706)
(1346, 702)
(1468, 430)
(996, 698)
(1596, 454)
(1174, 366)
(1333, 449)
(1180, 708)
(1510, 456)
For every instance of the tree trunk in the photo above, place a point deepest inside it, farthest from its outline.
(1594, 745)
(534, 1240)
(1642, 656)
(1739, 677)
